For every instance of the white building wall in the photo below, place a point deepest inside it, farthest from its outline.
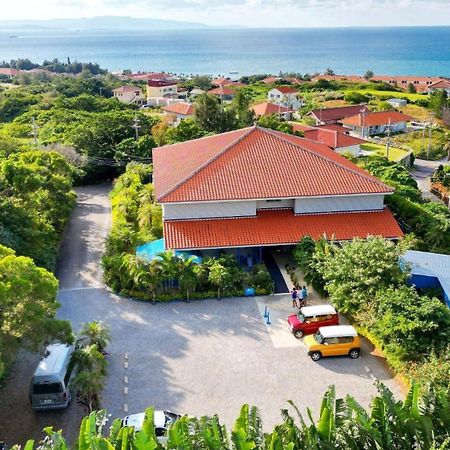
(355, 150)
(206, 210)
(333, 204)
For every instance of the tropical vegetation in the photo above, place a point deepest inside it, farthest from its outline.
(421, 421)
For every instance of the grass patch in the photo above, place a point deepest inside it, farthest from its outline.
(392, 94)
(394, 153)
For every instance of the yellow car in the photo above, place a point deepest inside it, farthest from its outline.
(333, 341)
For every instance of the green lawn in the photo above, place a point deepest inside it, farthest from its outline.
(390, 94)
(394, 153)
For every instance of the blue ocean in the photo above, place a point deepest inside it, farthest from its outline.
(401, 51)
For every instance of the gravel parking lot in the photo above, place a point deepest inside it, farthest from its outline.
(200, 358)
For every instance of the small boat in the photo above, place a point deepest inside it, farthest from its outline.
(234, 72)
(13, 36)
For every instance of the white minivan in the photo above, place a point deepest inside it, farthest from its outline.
(50, 383)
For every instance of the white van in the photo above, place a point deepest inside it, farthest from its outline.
(50, 384)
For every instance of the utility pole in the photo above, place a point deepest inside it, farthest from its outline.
(34, 128)
(363, 115)
(136, 125)
(388, 141)
(429, 136)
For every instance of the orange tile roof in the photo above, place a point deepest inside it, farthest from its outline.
(221, 81)
(270, 80)
(127, 88)
(222, 91)
(376, 118)
(266, 109)
(276, 227)
(255, 163)
(337, 113)
(187, 109)
(333, 139)
(286, 89)
(441, 84)
(300, 127)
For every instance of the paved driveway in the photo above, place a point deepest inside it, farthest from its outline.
(200, 358)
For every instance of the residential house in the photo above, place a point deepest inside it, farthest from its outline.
(270, 80)
(145, 76)
(176, 112)
(161, 89)
(267, 109)
(254, 189)
(441, 85)
(10, 73)
(420, 84)
(286, 96)
(327, 116)
(374, 123)
(397, 102)
(222, 81)
(337, 140)
(196, 92)
(129, 95)
(224, 93)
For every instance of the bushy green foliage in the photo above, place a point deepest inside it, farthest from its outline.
(275, 123)
(421, 421)
(27, 307)
(36, 203)
(356, 98)
(364, 279)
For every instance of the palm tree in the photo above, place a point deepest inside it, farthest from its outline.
(89, 358)
(169, 266)
(94, 333)
(150, 278)
(218, 276)
(187, 276)
(88, 387)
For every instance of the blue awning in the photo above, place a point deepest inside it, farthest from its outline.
(152, 250)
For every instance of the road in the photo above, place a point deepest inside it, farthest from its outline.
(422, 172)
(200, 358)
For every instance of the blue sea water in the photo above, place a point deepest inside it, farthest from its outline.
(401, 51)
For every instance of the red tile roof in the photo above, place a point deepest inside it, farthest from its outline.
(266, 109)
(127, 89)
(376, 118)
(338, 113)
(333, 127)
(255, 163)
(276, 227)
(270, 80)
(286, 89)
(221, 81)
(441, 84)
(222, 91)
(9, 72)
(332, 139)
(187, 109)
(300, 127)
(351, 78)
(160, 83)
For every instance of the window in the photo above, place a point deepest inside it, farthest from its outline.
(345, 339)
(160, 431)
(47, 388)
(332, 340)
(273, 201)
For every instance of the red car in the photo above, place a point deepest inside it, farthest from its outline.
(310, 318)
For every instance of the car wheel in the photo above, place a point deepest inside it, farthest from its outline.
(298, 334)
(354, 353)
(315, 356)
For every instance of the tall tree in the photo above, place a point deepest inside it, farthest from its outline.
(208, 113)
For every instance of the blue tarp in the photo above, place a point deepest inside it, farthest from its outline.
(153, 249)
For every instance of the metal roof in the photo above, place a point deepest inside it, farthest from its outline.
(317, 310)
(55, 360)
(431, 265)
(338, 331)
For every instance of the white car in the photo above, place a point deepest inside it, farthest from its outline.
(161, 419)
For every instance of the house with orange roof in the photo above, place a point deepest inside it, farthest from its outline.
(10, 73)
(441, 85)
(329, 116)
(372, 123)
(129, 94)
(224, 93)
(336, 139)
(270, 80)
(267, 109)
(349, 78)
(421, 84)
(286, 96)
(176, 112)
(253, 189)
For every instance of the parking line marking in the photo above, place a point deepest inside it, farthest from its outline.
(125, 380)
(125, 390)
(126, 356)
(125, 407)
(125, 365)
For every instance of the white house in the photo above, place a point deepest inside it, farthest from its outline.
(285, 96)
(253, 188)
(176, 112)
(161, 89)
(129, 95)
(373, 123)
(336, 139)
(397, 102)
(441, 85)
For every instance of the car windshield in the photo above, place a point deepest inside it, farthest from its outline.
(47, 388)
(171, 417)
(319, 338)
(300, 317)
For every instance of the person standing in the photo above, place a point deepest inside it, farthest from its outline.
(305, 293)
(301, 301)
(294, 296)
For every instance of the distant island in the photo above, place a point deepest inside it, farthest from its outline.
(103, 23)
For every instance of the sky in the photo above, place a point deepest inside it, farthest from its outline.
(253, 13)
